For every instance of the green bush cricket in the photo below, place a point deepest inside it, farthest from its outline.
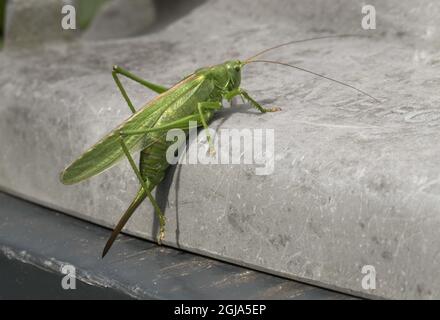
(195, 98)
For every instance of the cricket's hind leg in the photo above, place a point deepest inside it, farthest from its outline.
(147, 187)
(140, 196)
(118, 70)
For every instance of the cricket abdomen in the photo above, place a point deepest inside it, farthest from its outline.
(153, 163)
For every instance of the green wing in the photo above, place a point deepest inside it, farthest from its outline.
(108, 151)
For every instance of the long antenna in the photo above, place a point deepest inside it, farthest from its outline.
(302, 40)
(314, 73)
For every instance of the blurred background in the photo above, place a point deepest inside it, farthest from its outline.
(2, 19)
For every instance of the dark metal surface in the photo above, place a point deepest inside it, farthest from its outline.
(36, 242)
(20, 280)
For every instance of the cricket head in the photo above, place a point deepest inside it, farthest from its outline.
(233, 69)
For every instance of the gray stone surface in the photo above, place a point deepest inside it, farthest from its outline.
(355, 183)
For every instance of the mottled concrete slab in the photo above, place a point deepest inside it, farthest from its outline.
(355, 182)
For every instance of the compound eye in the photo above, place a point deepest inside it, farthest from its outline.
(237, 68)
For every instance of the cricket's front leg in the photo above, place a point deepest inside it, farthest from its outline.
(243, 93)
